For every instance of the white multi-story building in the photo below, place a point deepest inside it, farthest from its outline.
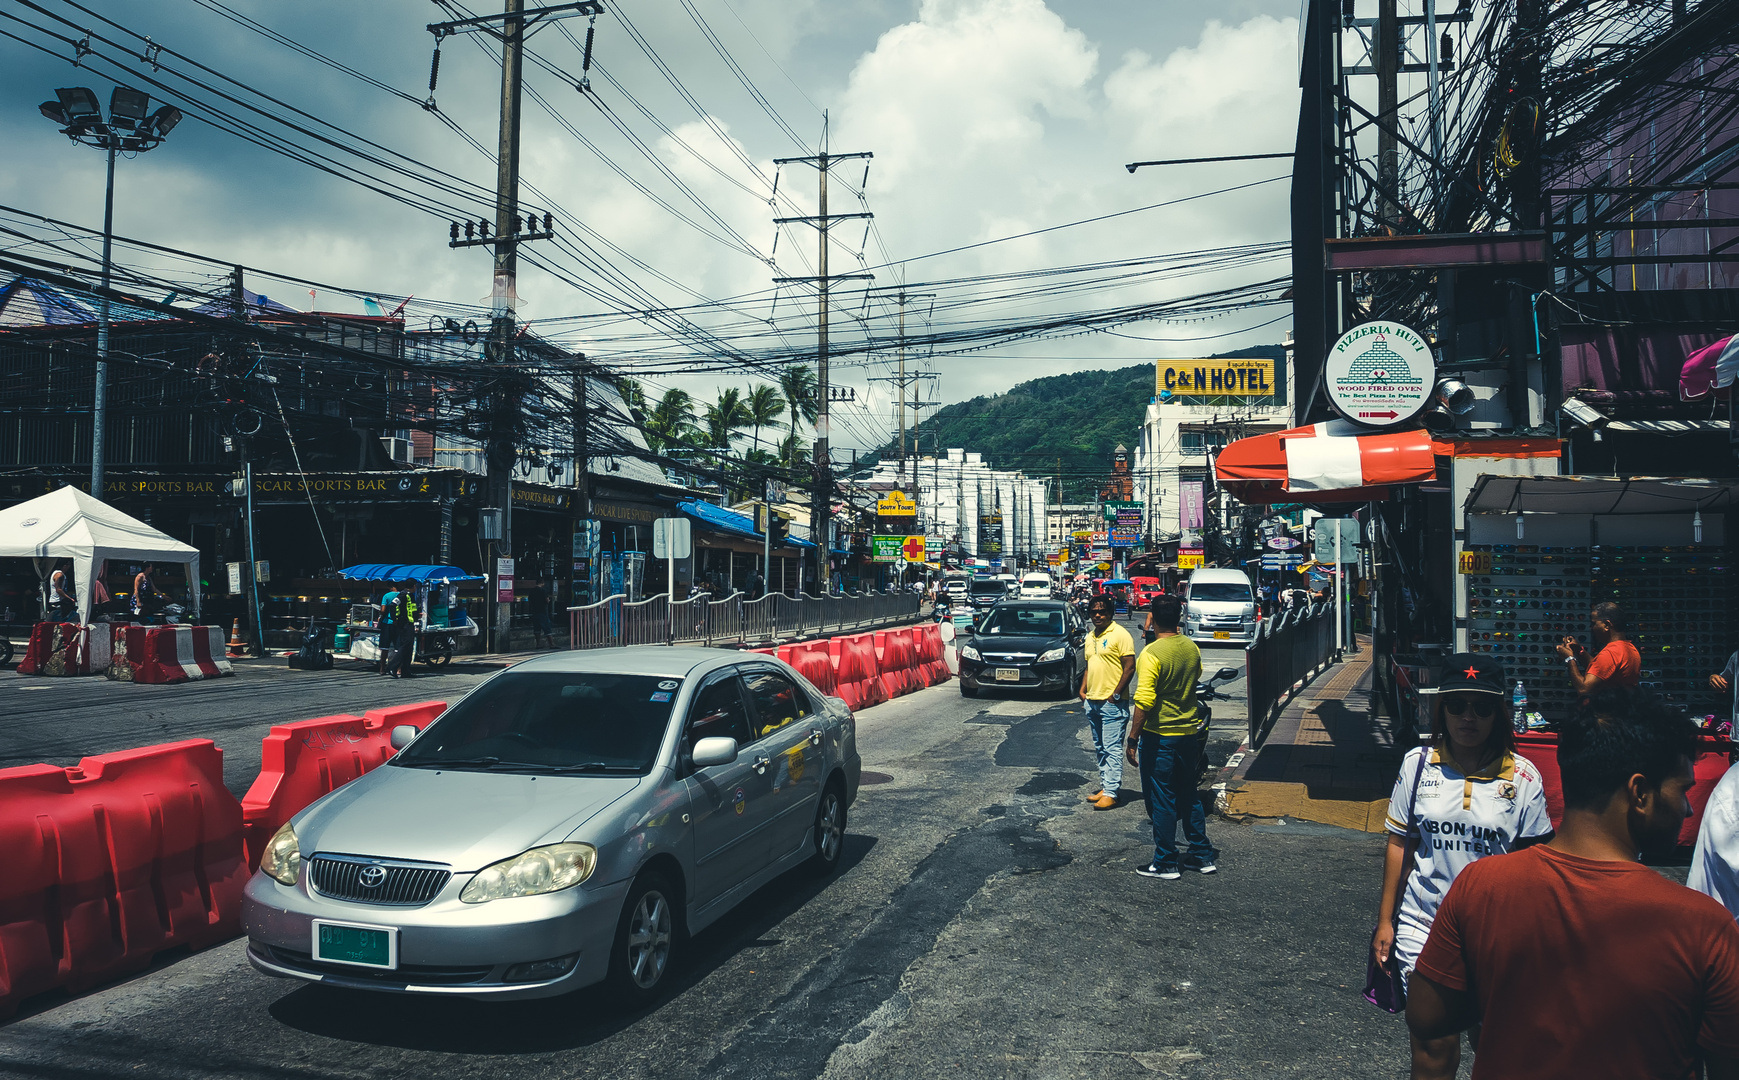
(966, 506)
(1199, 406)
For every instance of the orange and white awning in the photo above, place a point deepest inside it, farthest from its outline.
(1340, 462)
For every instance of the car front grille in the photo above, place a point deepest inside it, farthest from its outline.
(1008, 658)
(422, 974)
(348, 877)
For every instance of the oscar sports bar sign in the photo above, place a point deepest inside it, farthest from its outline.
(1380, 374)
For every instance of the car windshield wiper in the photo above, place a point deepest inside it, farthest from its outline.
(590, 767)
(453, 763)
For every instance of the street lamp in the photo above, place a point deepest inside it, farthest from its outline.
(133, 129)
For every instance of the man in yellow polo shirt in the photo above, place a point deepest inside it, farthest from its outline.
(1110, 663)
(1166, 741)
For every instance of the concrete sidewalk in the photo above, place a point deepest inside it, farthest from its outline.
(1330, 757)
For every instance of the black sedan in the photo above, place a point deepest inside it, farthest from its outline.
(1025, 645)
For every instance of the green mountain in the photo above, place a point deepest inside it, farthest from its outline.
(1069, 423)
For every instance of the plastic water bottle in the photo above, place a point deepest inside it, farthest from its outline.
(1519, 708)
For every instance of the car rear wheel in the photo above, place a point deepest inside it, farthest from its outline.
(646, 942)
(829, 830)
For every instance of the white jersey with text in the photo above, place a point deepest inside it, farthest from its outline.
(1459, 818)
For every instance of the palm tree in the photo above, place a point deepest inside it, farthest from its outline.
(725, 417)
(765, 404)
(671, 421)
(791, 449)
(797, 384)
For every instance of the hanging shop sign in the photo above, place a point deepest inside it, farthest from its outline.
(913, 549)
(1198, 378)
(1475, 562)
(886, 549)
(1380, 374)
(896, 504)
(1283, 543)
(1190, 559)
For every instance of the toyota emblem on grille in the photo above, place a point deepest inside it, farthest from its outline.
(371, 877)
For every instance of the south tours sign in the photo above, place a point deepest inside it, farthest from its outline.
(1380, 374)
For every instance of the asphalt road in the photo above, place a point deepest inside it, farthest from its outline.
(985, 923)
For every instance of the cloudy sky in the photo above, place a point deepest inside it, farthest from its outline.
(987, 118)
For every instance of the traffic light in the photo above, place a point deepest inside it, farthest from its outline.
(781, 530)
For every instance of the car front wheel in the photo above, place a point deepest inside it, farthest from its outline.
(646, 942)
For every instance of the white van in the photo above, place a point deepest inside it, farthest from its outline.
(1219, 606)
(1035, 587)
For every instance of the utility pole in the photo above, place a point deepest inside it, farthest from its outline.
(1388, 58)
(515, 25)
(821, 496)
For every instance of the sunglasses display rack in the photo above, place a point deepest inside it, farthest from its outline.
(1677, 601)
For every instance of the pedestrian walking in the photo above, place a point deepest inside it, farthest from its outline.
(147, 598)
(399, 637)
(1167, 740)
(1462, 796)
(1110, 665)
(1616, 662)
(538, 607)
(1573, 957)
(61, 602)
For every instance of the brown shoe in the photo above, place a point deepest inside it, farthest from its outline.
(1104, 801)
(1095, 795)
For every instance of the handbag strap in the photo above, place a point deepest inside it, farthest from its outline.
(1407, 853)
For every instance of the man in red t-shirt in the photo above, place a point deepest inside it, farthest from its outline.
(1616, 662)
(1576, 959)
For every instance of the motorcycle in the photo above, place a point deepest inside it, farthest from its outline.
(1207, 690)
(941, 612)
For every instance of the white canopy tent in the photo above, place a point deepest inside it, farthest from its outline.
(68, 524)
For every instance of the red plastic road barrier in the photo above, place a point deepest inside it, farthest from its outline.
(899, 662)
(302, 761)
(814, 662)
(857, 670)
(932, 661)
(56, 649)
(1711, 765)
(168, 654)
(113, 861)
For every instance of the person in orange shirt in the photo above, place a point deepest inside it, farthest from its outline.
(1616, 661)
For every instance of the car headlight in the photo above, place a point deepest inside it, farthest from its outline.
(967, 652)
(1052, 654)
(538, 871)
(282, 859)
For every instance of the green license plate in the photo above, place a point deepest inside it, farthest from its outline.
(351, 943)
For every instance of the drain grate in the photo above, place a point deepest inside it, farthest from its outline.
(869, 778)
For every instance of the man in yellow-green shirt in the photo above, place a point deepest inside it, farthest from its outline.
(1110, 663)
(1166, 739)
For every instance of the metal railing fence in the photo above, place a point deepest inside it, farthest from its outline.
(733, 619)
(1288, 651)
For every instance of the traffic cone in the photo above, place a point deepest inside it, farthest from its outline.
(237, 647)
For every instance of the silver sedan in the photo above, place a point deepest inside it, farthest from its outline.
(567, 822)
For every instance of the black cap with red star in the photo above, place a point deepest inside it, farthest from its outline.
(1475, 673)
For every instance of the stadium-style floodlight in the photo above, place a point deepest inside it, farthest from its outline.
(131, 128)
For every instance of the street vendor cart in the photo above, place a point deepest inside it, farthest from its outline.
(440, 620)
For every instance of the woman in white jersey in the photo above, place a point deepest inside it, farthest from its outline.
(1474, 797)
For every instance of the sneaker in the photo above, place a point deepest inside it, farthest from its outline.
(1154, 870)
(1208, 868)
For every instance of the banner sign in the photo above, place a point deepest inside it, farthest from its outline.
(1379, 374)
(1189, 504)
(1199, 378)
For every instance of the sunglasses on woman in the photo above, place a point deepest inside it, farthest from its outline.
(1482, 706)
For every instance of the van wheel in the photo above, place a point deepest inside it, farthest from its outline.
(646, 942)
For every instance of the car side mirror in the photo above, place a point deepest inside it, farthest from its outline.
(402, 736)
(714, 750)
(1227, 674)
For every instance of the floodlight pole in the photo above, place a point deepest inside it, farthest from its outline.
(100, 402)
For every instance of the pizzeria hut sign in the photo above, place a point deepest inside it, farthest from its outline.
(1380, 374)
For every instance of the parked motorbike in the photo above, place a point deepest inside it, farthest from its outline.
(1207, 690)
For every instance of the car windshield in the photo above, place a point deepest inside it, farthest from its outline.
(988, 588)
(1226, 592)
(1023, 619)
(581, 722)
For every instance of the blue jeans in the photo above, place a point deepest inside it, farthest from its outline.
(1108, 720)
(1168, 780)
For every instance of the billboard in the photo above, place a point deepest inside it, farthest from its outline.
(1215, 378)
